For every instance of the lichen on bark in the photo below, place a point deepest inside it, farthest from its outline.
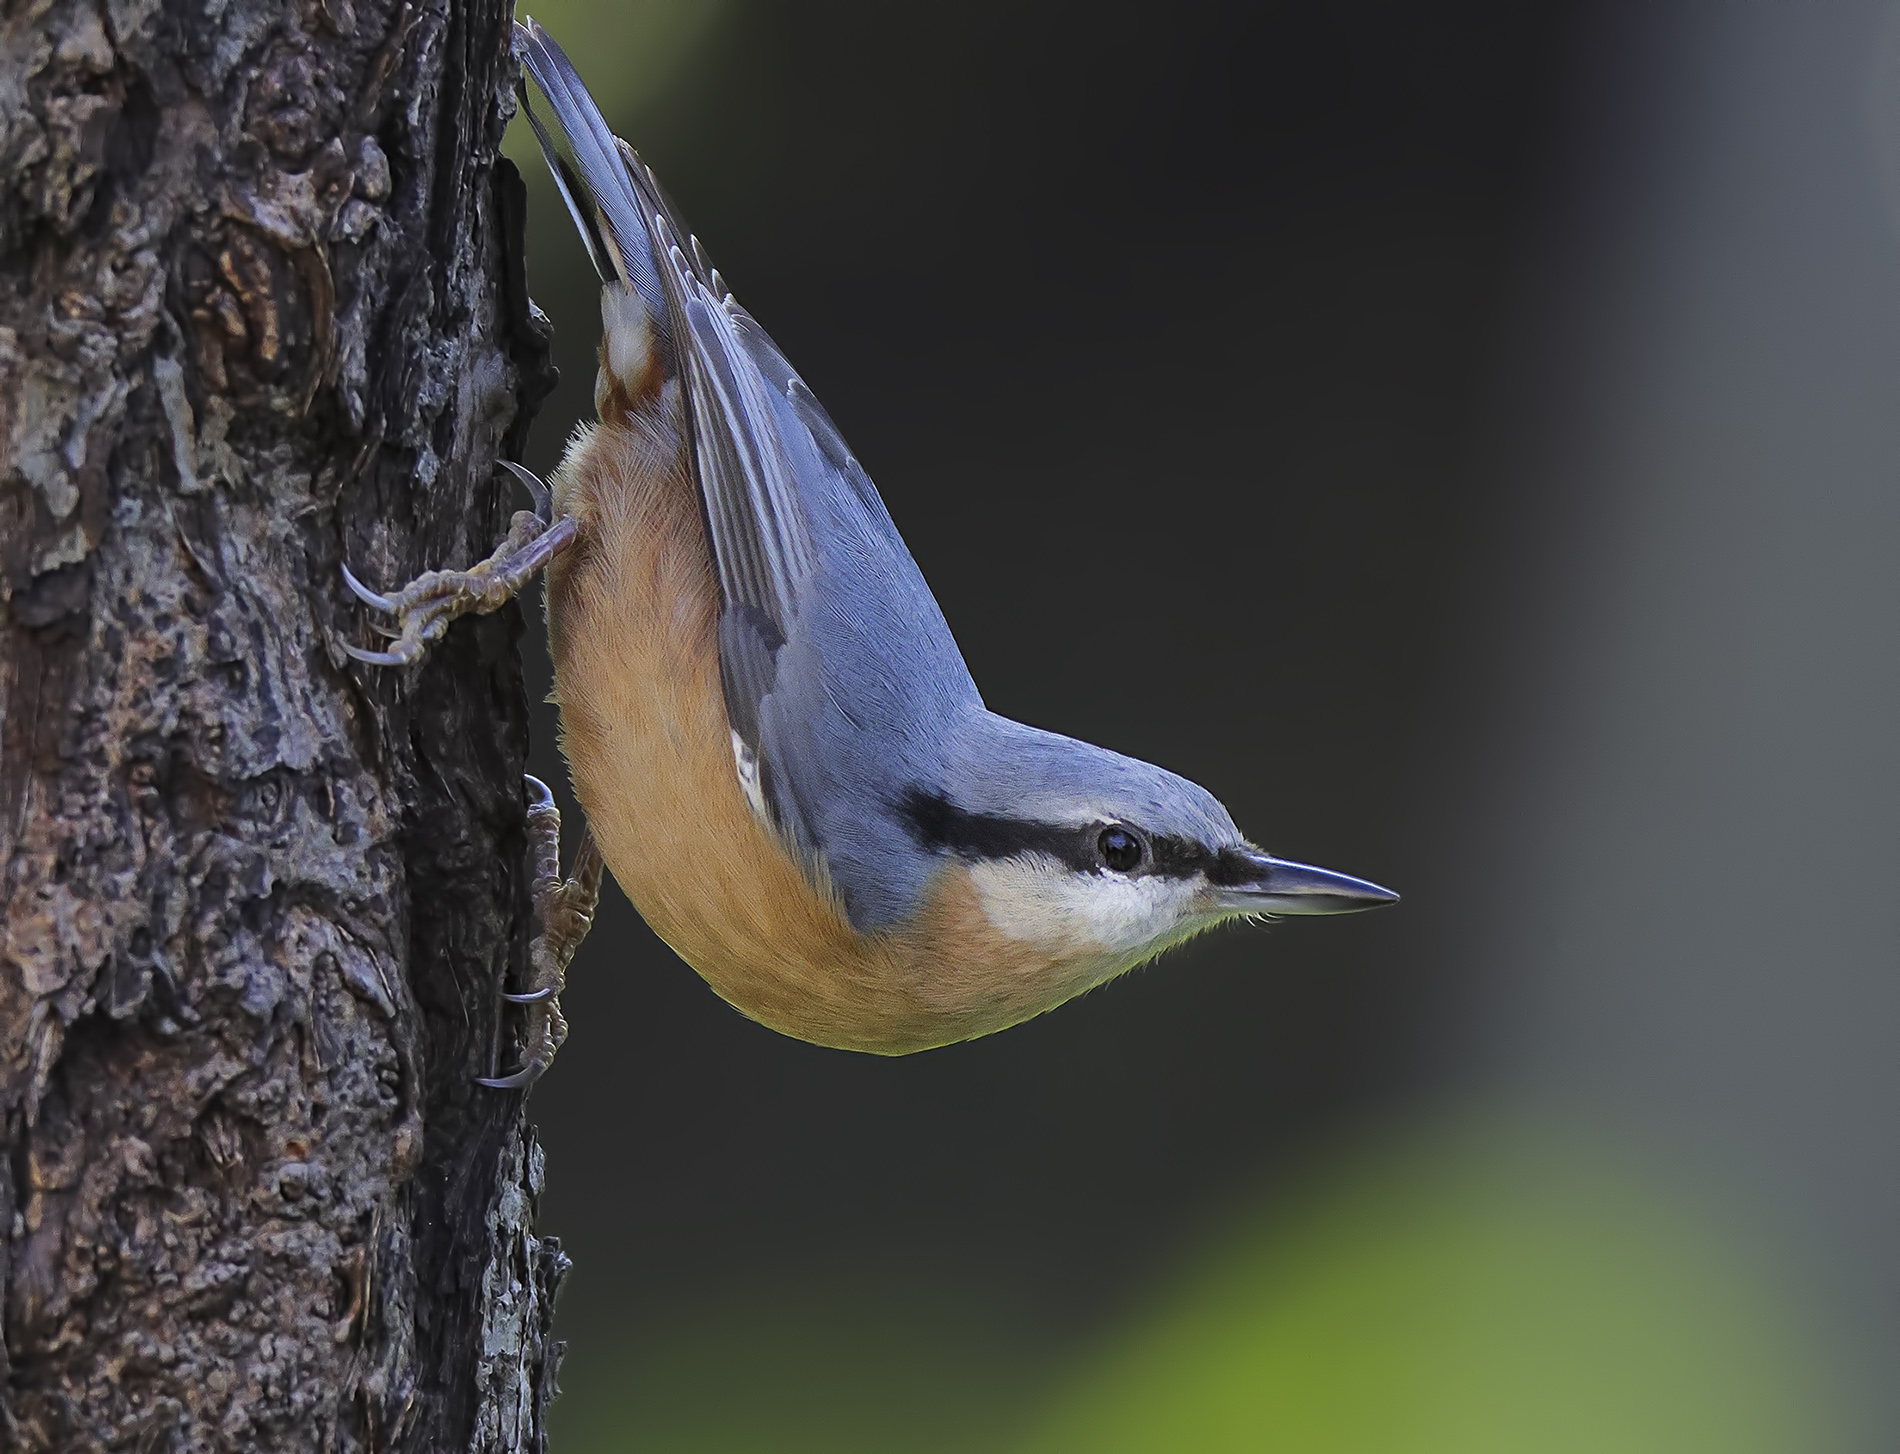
(261, 310)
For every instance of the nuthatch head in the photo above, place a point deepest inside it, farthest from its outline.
(779, 748)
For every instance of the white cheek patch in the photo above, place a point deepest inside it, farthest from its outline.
(1039, 900)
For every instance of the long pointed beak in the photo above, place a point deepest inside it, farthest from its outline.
(1258, 883)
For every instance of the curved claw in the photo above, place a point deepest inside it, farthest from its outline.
(532, 997)
(375, 658)
(531, 482)
(364, 594)
(526, 1076)
(539, 794)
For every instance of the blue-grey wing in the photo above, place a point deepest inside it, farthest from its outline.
(839, 673)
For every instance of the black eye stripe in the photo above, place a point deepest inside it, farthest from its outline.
(1180, 857)
(937, 824)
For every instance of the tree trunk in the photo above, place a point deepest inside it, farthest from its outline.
(261, 311)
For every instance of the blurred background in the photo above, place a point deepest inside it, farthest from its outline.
(1464, 436)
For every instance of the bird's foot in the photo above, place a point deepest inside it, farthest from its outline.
(424, 608)
(563, 913)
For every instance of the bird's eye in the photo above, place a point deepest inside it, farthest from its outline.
(1120, 849)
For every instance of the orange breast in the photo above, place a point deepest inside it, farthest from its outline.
(632, 614)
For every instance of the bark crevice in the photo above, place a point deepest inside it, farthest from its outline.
(261, 310)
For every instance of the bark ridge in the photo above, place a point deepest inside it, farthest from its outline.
(260, 307)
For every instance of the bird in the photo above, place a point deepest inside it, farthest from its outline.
(781, 754)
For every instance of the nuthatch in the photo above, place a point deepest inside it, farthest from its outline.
(780, 752)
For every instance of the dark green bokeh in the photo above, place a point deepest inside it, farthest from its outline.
(1471, 1291)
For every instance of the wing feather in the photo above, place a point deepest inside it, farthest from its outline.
(749, 487)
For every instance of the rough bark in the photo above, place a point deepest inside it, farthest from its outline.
(260, 311)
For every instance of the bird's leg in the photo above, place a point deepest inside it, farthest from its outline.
(563, 913)
(424, 608)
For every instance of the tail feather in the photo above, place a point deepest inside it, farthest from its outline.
(601, 195)
(569, 186)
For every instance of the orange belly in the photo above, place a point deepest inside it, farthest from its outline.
(632, 613)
